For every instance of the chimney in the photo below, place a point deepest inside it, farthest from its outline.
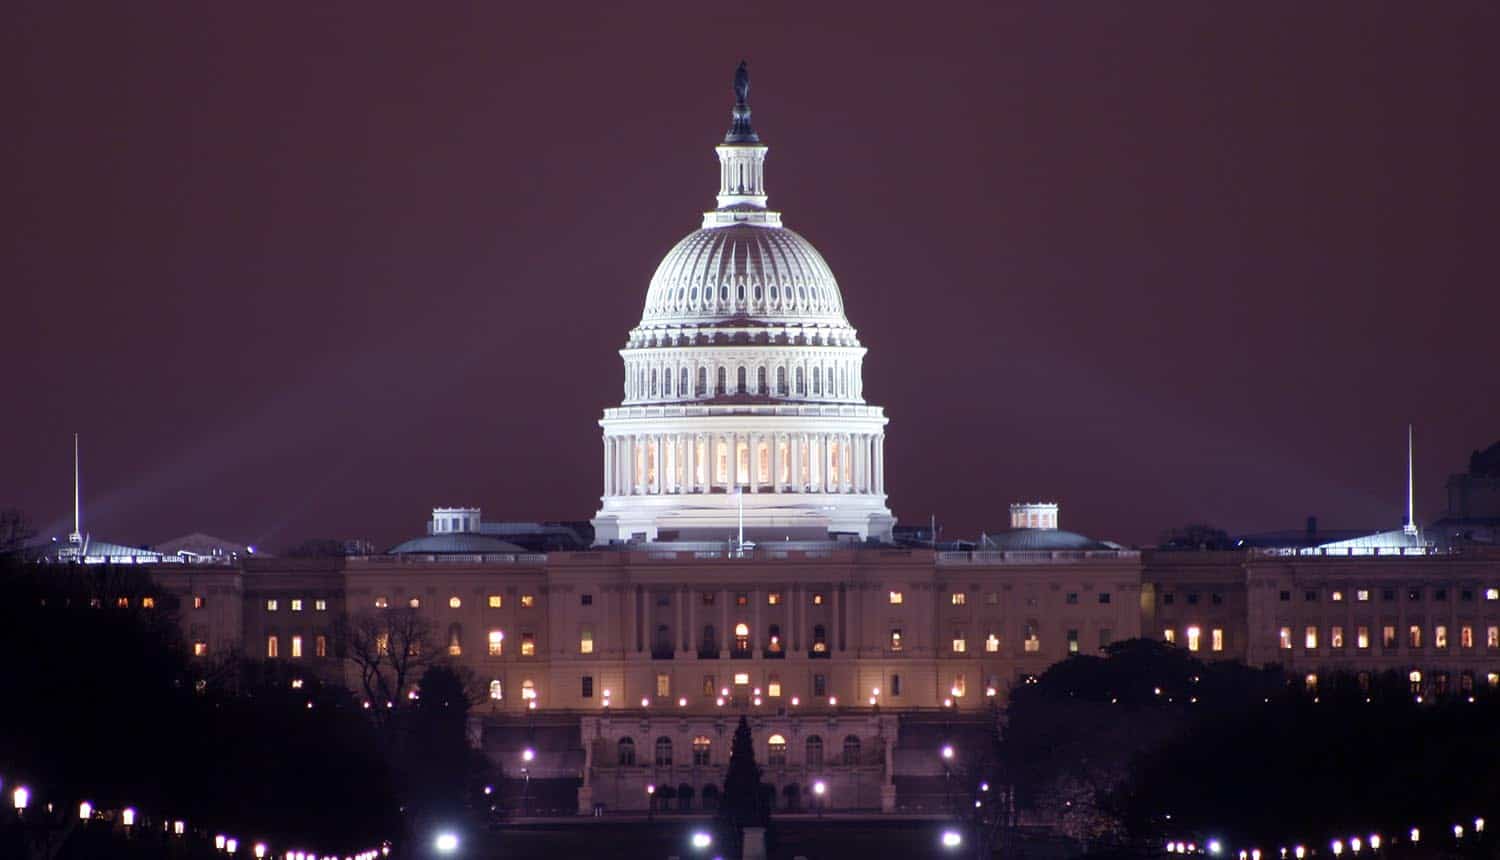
(1312, 525)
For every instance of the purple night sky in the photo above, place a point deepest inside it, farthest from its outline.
(302, 270)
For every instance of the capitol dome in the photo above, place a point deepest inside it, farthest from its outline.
(743, 411)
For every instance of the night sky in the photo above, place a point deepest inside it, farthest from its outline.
(300, 270)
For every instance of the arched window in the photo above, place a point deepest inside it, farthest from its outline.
(653, 382)
(851, 750)
(455, 640)
(814, 751)
(684, 797)
(817, 375)
(663, 751)
(710, 797)
(776, 751)
(682, 380)
(710, 643)
(663, 643)
(497, 691)
(760, 381)
(626, 748)
(740, 379)
(773, 640)
(702, 750)
(781, 380)
(801, 382)
(820, 639)
(528, 689)
(666, 382)
(702, 381)
(723, 381)
(742, 637)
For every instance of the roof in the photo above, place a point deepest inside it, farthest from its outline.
(466, 543)
(1040, 539)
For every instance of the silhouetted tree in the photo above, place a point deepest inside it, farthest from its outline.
(1197, 536)
(389, 649)
(743, 802)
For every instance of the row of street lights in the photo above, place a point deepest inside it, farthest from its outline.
(1354, 845)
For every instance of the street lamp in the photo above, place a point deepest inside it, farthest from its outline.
(85, 811)
(20, 797)
(702, 840)
(650, 801)
(952, 839)
(446, 842)
(127, 816)
(819, 789)
(947, 754)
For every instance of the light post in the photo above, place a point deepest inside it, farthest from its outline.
(819, 789)
(650, 801)
(528, 755)
(947, 753)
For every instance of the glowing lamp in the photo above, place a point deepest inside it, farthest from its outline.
(1416, 834)
(651, 788)
(179, 827)
(819, 787)
(719, 701)
(446, 843)
(796, 701)
(1374, 841)
(85, 811)
(645, 702)
(1255, 854)
(1214, 846)
(1355, 844)
(702, 840)
(528, 754)
(757, 701)
(231, 845)
(833, 701)
(1479, 825)
(1299, 852)
(127, 816)
(21, 797)
(1458, 831)
(952, 839)
(1338, 847)
(260, 850)
(219, 842)
(948, 752)
(682, 702)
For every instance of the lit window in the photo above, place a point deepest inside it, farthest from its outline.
(958, 598)
(382, 643)
(454, 602)
(960, 686)
(1466, 637)
(1388, 636)
(1311, 682)
(296, 647)
(896, 639)
(1492, 594)
(741, 599)
(1216, 639)
(1169, 636)
(742, 637)
(381, 603)
(296, 604)
(200, 649)
(270, 605)
(1285, 638)
(1493, 678)
(1336, 637)
(960, 645)
(1362, 637)
(497, 692)
(992, 643)
(1310, 638)
(273, 647)
(320, 606)
(528, 601)
(773, 687)
(528, 689)
(1362, 595)
(896, 597)
(817, 598)
(1414, 636)
(1336, 597)
(1440, 636)
(776, 746)
(1194, 637)
(496, 601)
(455, 641)
(773, 598)
(528, 644)
(1072, 641)
(148, 603)
(1492, 636)
(415, 603)
(663, 684)
(497, 643)
(197, 601)
(702, 750)
(1031, 643)
(1415, 679)
(586, 641)
(320, 646)
(741, 679)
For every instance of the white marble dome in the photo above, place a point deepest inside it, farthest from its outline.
(743, 272)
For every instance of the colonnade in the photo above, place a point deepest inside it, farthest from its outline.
(652, 464)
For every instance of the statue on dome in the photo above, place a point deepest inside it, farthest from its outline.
(742, 83)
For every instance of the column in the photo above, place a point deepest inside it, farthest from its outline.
(688, 455)
(608, 464)
(880, 463)
(828, 484)
(794, 634)
(833, 640)
(724, 622)
(757, 632)
(658, 483)
(754, 443)
(690, 635)
(681, 595)
(774, 449)
(794, 446)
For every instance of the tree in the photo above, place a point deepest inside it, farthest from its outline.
(389, 649)
(1197, 536)
(743, 803)
(15, 532)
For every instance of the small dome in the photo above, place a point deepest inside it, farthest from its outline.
(1041, 539)
(455, 543)
(740, 272)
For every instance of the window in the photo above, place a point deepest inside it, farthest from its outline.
(820, 639)
(1286, 597)
(960, 686)
(585, 599)
(198, 601)
(817, 598)
(1388, 636)
(776, 751)
(1192, 598)
(663, 751)
(1413, 594)
(896, 686)
(1440, 636)
(1492, 594)
(148, 603)
(497, 643)
(320, 605)
(992, 598)
(1194, 638)
(1310, 638)
(1218, 599)
(455, 640)
(1388, 594)
(773, 644)
(528, 690)
(1362, 637)
(1169, 636)
(1216, 639)
(1336, 637)
(273, 648)
(1492, 636)
(200, 649)
(497, 691)
(1030, 642)
(586, 641)
(814, 754)
(296, 647)
(528, 601)
(960, 645)
(1106, 636)
(992, 643)
(1104, 597)
(663, 684)
(1414, 678)
(1284, 638)
(625, 752)
(742, 637)
(415, 603)
(1466, 595)
(896, 639)
(382, 643)
(1336, 597)
(296, 604)
(663, 600)
(528, 644)
(773, 687)
(1310, 596)
(587, 690)
(1072, 641)
(958, 598)
(702, 750)
(453, 602)
(496, 601)
(1362, 595)
(851, 750)
(707, 597)
(320, 645)
(741, 679)
(820, 685)
(741, 599)
(773, 598)
(1071, 598)
(1414, 636)
(1466, 637)
(1440, 594)
(896, 598)
(1168, 598)
(271, 605)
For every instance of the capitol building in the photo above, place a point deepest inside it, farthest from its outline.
(744, 560)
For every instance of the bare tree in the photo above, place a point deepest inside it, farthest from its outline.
(389, 648)
(15, 532)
